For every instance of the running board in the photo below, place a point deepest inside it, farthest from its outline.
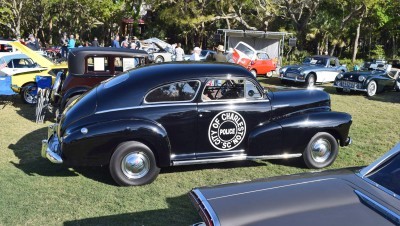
(234, 158)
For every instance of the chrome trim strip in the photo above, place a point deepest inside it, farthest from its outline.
(233, 101)
(379, 207)
(365, 171)
(234, 158)
(363, 90)
(389, 192)
(207, 206)
(147, 106)
(195, 95)
(273, 188)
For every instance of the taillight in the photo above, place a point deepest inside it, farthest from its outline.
(201, 209)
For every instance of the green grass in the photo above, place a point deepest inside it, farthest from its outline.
(35, 192)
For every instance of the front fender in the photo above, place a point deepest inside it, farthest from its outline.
(99, 143)
(291, 135)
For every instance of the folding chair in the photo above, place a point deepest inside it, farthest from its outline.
(43, 95)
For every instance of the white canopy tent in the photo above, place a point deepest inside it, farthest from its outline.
(270, 42)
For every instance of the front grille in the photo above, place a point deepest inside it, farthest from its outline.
(291, 75)
(349, 84)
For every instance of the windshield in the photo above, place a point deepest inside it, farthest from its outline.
(203, 53)
(246, 50)
(315, 61)
(388, 175)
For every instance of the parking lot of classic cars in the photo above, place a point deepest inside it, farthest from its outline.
(221, 113)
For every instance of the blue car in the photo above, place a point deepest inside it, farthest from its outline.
(314, 69)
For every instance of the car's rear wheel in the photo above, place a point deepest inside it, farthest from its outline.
(321, 151)
(70, 100)
(254, 73)
(372, 88)
(268, 74)
(133, 163)
(310, 82)
(159, 59)
(29, 93)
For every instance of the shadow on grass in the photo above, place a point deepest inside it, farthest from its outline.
(179, 212)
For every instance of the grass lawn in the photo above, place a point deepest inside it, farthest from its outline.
(34, 191)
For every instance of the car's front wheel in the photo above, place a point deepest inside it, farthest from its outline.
(321, 151)
(372, 88)
(133, 163)
(310, 82)
(268, 74)
(159, 59)
(29, 93)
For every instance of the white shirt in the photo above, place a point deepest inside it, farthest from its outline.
(179, 54)
(195, 57)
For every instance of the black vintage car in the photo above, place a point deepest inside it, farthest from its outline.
(186, 113)
(369, 81)
(368, 197)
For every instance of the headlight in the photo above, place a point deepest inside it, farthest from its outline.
(361, 78)
(339, 76)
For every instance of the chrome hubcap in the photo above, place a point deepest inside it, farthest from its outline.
(371, 89)
(321, 150)
(311, 81)
(29, 97)
(135, 165)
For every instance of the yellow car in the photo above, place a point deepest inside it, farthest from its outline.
(25, 83)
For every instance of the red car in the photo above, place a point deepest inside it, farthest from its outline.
(257, 62)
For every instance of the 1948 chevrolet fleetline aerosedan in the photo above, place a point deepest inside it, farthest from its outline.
(193, 113)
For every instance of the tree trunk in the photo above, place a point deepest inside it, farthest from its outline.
(355, 49)
(51, 31)
(333, 50)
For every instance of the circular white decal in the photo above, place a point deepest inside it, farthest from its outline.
(227, 130)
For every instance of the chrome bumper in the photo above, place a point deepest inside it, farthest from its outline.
(51, 147)
(350, 88)
(292, 79)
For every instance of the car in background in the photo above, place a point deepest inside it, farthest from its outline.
(24, 83)
(5, 47)
(89, 66)
(367, 197)
(371, 81)
(205, 55)
(173, 114)
(161, 55)
(13, 63)
(257, 62)
(314, 69)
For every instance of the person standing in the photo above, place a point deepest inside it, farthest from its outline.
(220, 57)
(32, 43)
(64, 45)
(180, 54)
(196, 54)
(71, 43)
(137, 42)
(125, 43)
(95, 43)
(115, 42)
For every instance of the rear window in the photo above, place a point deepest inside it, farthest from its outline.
(388, 175)
(174, 92)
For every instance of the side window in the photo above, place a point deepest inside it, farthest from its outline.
(332, 62)
(230, 89)
(173, 92)
(123, 64)
(97, 64)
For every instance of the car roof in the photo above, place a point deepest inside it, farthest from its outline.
(14, 56)
(76, 60)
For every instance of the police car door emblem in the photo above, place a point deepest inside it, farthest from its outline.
(227, 130)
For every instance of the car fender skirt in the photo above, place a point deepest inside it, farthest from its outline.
(103, 138)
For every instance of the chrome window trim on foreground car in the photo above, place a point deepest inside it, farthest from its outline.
(365, 171)
(177, 101)
(207, 206)
(378, 207)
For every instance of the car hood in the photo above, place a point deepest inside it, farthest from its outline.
(39, 59)
(354, 75)
(303, 67)
(322, 200)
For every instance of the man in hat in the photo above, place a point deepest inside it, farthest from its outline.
(196, 54)
(32, 43)
(220, 57)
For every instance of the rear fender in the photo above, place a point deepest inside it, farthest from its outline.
(106, 136)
